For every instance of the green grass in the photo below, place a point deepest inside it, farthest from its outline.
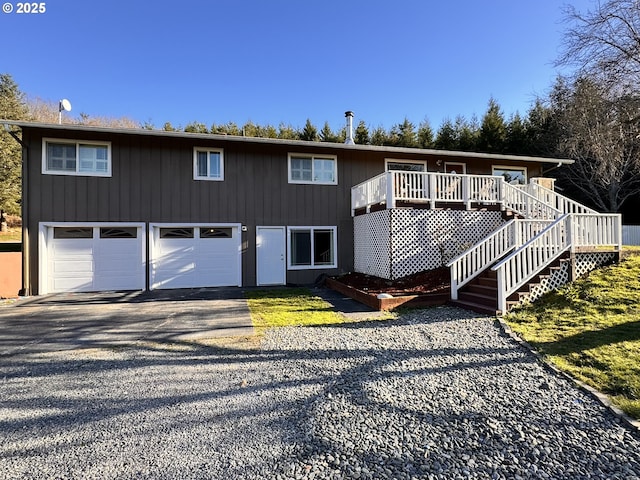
(13, 235)
(591, 329)
(289, 307)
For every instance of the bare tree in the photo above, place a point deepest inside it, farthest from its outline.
(605, 42)
(600, 132)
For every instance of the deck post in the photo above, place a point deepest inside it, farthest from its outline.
(466, 197)
(502, 301)
(391, 194)
(432, 191)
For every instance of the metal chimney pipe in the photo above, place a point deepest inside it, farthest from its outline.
(349, 140)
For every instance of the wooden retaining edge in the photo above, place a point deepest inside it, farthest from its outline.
(371, 300)
(604, 400)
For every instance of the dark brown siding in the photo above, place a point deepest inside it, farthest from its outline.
(152, 181)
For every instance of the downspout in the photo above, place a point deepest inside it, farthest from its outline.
(24, 291)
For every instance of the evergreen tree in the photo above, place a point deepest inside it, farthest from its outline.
(361, 135)
(493, 131)
(309, 132)
(196, 127)
(404, 135)
(446, 138)
(517, 141)
(466, 134)
(12, 107)
(425, 134)
(379, 136)
(327, 135)
(287, 132)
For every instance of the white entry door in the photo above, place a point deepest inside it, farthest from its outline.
(270, 256)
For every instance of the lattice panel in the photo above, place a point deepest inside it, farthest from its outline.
(586, 262)
(372, 244)
(427, 239)
(557, 279)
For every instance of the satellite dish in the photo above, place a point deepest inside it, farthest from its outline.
(65, 105)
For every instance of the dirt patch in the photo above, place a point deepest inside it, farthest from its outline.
(432, 281)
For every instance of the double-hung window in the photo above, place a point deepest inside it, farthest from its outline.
(318, 169)
(311, 247)
(69, 157)
(208, 164)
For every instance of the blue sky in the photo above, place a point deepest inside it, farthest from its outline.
(283, 61)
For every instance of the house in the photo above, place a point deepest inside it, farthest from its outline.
(133, 209)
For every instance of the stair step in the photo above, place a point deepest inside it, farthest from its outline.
(485, 281)
(486, 290)
(489, 301)
(476, 307)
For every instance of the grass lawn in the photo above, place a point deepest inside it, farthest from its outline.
(13, 235)
(591, 329)
(289, 307)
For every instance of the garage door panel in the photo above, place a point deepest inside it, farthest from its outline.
(73, 284)
(72, 247)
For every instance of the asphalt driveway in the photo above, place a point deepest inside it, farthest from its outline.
(85, 320)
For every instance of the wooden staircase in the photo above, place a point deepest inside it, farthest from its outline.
(481, 294)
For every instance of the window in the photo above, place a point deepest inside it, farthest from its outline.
(512, 175)
(64, 157)
(176, 232)
(405, 165)
(118, 232)
(208, 164)
(72, 232)
(211, 232)
(313, 169)
(312, 247)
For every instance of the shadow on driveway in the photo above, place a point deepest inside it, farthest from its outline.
(73, 320)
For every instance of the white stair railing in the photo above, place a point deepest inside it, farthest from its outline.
(531, 258)
(525, 204)
(482, 255)
(553, 198)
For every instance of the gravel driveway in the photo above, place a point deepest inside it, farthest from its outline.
(435, 394)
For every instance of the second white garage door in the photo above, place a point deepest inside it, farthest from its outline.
(190, 256)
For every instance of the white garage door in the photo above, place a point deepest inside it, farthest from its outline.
(94, 258)
(188, 256)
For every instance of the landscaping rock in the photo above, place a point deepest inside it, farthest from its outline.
(437, 393)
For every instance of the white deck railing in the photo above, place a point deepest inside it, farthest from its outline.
(432, 187)
(594, 230)
(426, 187)
(478, 258)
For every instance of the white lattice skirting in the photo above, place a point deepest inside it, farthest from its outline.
(583, 264)
(399, 242)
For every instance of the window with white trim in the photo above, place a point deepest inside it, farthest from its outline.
(391, 164)
(512, 175)
(319, 169)
(70, 157)
(208, 164)
(311, 247)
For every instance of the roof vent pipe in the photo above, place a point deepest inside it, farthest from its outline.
(349, 140)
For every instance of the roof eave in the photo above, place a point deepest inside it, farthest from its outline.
(278, 141)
